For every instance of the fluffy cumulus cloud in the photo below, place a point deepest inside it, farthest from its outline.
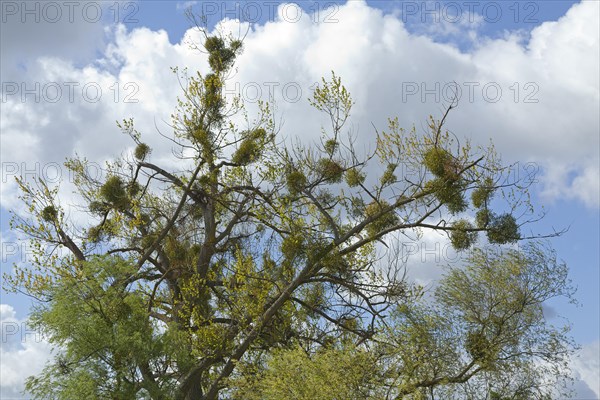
(536, 96)
(23, 353)
(31, 30)
(586, 371)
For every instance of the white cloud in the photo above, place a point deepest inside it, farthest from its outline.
(23, 353)
(427, 256)
(573, 181)
(586, 370)
(547, 113)
(587, 185)
(185, 5)
(46, 28)
(377, 58)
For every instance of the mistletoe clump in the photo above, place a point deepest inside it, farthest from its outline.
(113, 191)
(461, 237)
(354, 177)
(331, 170)
(383, 219)
(503, 229)
(447, 185)
(49, 214)
(250, 148)
(141, 151)
(221, 56)
(296, 181)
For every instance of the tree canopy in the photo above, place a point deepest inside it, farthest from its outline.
(254, 270)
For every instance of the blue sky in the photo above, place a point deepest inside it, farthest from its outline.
(498, 15)
(545, 51)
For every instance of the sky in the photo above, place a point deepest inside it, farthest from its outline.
(527, 73)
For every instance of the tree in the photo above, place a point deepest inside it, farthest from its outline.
(189, 278)
(485, 327)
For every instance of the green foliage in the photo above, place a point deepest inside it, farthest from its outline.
(113, 191)
(49, 214)
(327, 375)
(441, 163)
(97, 207)
(212, 98)
(236, 45)
(480, 348)
(483, 218)
(383, 220)
(103, 332)
(94, 234)
(486, 316)
(247, 153)
(204, 138)
(354, 177)
(330, 170)
(333, 98)
(220, 55)
(448, 192)
(314, 296)
(461, 237)
(133, 189)
(503, 229)
(388, 176)
(483, 194)
(448, 186)
(259, 134)
(296, 181)
(141, 151)
(499, 296)
(250, 148)
(293, 245)
(331, 146)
